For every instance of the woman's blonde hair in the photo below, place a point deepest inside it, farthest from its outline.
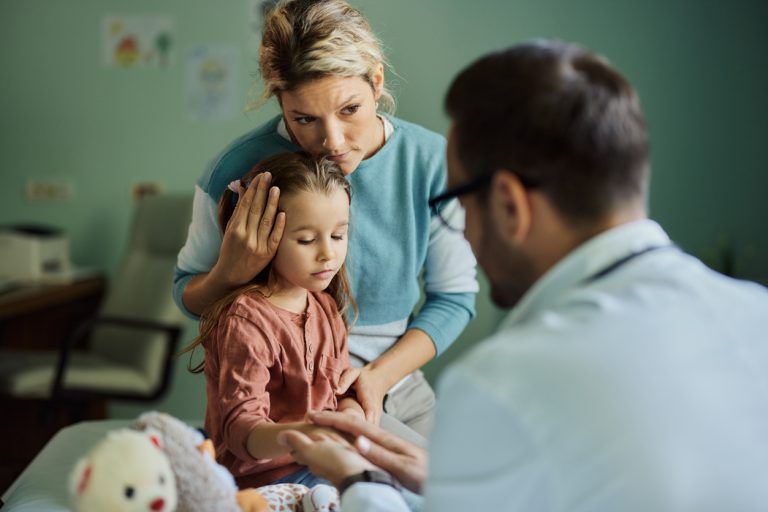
(303, 40)
(291, 173)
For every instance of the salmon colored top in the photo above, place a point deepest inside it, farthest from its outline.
(266, 364)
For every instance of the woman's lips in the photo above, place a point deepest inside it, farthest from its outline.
(340, 157)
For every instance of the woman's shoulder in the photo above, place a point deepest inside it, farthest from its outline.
(241, 155)
(415, 133)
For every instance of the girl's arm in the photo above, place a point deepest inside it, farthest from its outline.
(262, 440)
(351, 406)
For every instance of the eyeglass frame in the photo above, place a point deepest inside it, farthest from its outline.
(467, 188)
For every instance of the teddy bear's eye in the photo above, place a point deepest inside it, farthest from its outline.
(129, 492)
(162, 480)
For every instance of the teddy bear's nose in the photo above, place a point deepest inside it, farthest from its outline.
(158, 504)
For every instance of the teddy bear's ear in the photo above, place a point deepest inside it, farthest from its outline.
(155, 436)
(80, 477)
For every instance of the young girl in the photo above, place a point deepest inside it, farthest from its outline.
(276, 348)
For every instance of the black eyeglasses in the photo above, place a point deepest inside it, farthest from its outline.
(454, 220)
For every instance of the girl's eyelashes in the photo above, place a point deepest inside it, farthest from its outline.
(306, 241)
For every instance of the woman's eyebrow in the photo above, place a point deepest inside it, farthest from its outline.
(353, 97)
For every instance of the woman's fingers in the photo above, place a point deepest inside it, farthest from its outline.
(348, 377)
(277, 233)
(255, 198)
(267, 213)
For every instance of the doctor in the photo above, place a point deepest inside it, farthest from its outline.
(627, 376)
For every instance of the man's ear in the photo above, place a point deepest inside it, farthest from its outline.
(511, 207)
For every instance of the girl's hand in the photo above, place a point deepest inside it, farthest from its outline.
(370, 389)
(351, 406)
(252, 235)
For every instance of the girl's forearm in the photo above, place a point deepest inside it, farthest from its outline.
(350, 404)
(262, 441)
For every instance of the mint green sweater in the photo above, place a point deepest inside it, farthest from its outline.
(393, 236)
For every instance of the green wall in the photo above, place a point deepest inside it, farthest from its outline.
(700, 68)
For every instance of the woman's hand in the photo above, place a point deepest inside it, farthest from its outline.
(370, 388)
(252, 234)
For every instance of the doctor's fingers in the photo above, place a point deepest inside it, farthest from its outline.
(354, 426)
(409, 466)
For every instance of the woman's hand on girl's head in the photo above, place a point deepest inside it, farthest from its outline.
(253, 233)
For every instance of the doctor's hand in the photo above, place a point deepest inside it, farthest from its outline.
(326, 456)
(370, 389)
(252, 234)
(405, 461)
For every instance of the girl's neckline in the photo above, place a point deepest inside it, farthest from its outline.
(287, 312)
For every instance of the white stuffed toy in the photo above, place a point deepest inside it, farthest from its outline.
(127, 471)
(205, 485)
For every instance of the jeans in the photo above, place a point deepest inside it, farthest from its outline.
(304, 477)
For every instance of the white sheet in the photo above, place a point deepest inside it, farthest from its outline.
(42, 486)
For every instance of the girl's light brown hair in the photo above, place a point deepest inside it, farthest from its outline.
(303, 40)
(291, 173)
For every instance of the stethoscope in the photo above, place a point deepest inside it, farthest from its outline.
(623, 261)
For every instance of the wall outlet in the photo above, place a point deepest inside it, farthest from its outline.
(146, 188)
(48, 189)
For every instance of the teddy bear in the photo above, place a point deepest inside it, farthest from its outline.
(205, 485)
(126, 471)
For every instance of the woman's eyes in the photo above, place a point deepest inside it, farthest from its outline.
(351, 109)
(348, 110)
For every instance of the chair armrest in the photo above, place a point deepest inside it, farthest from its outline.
(171, 332)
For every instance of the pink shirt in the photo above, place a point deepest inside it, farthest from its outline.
(266, 364)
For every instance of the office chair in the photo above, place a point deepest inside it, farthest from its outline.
(133, 338)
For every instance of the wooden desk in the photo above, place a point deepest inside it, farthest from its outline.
(40, 317)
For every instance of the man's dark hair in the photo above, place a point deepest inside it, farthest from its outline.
(559, 117)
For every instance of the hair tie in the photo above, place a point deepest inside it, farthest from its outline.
(233, 186)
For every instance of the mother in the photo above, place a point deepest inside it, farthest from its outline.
(325, 67)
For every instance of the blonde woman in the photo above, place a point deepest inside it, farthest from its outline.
(323, 64)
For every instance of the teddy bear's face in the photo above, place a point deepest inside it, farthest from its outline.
(126, 472)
